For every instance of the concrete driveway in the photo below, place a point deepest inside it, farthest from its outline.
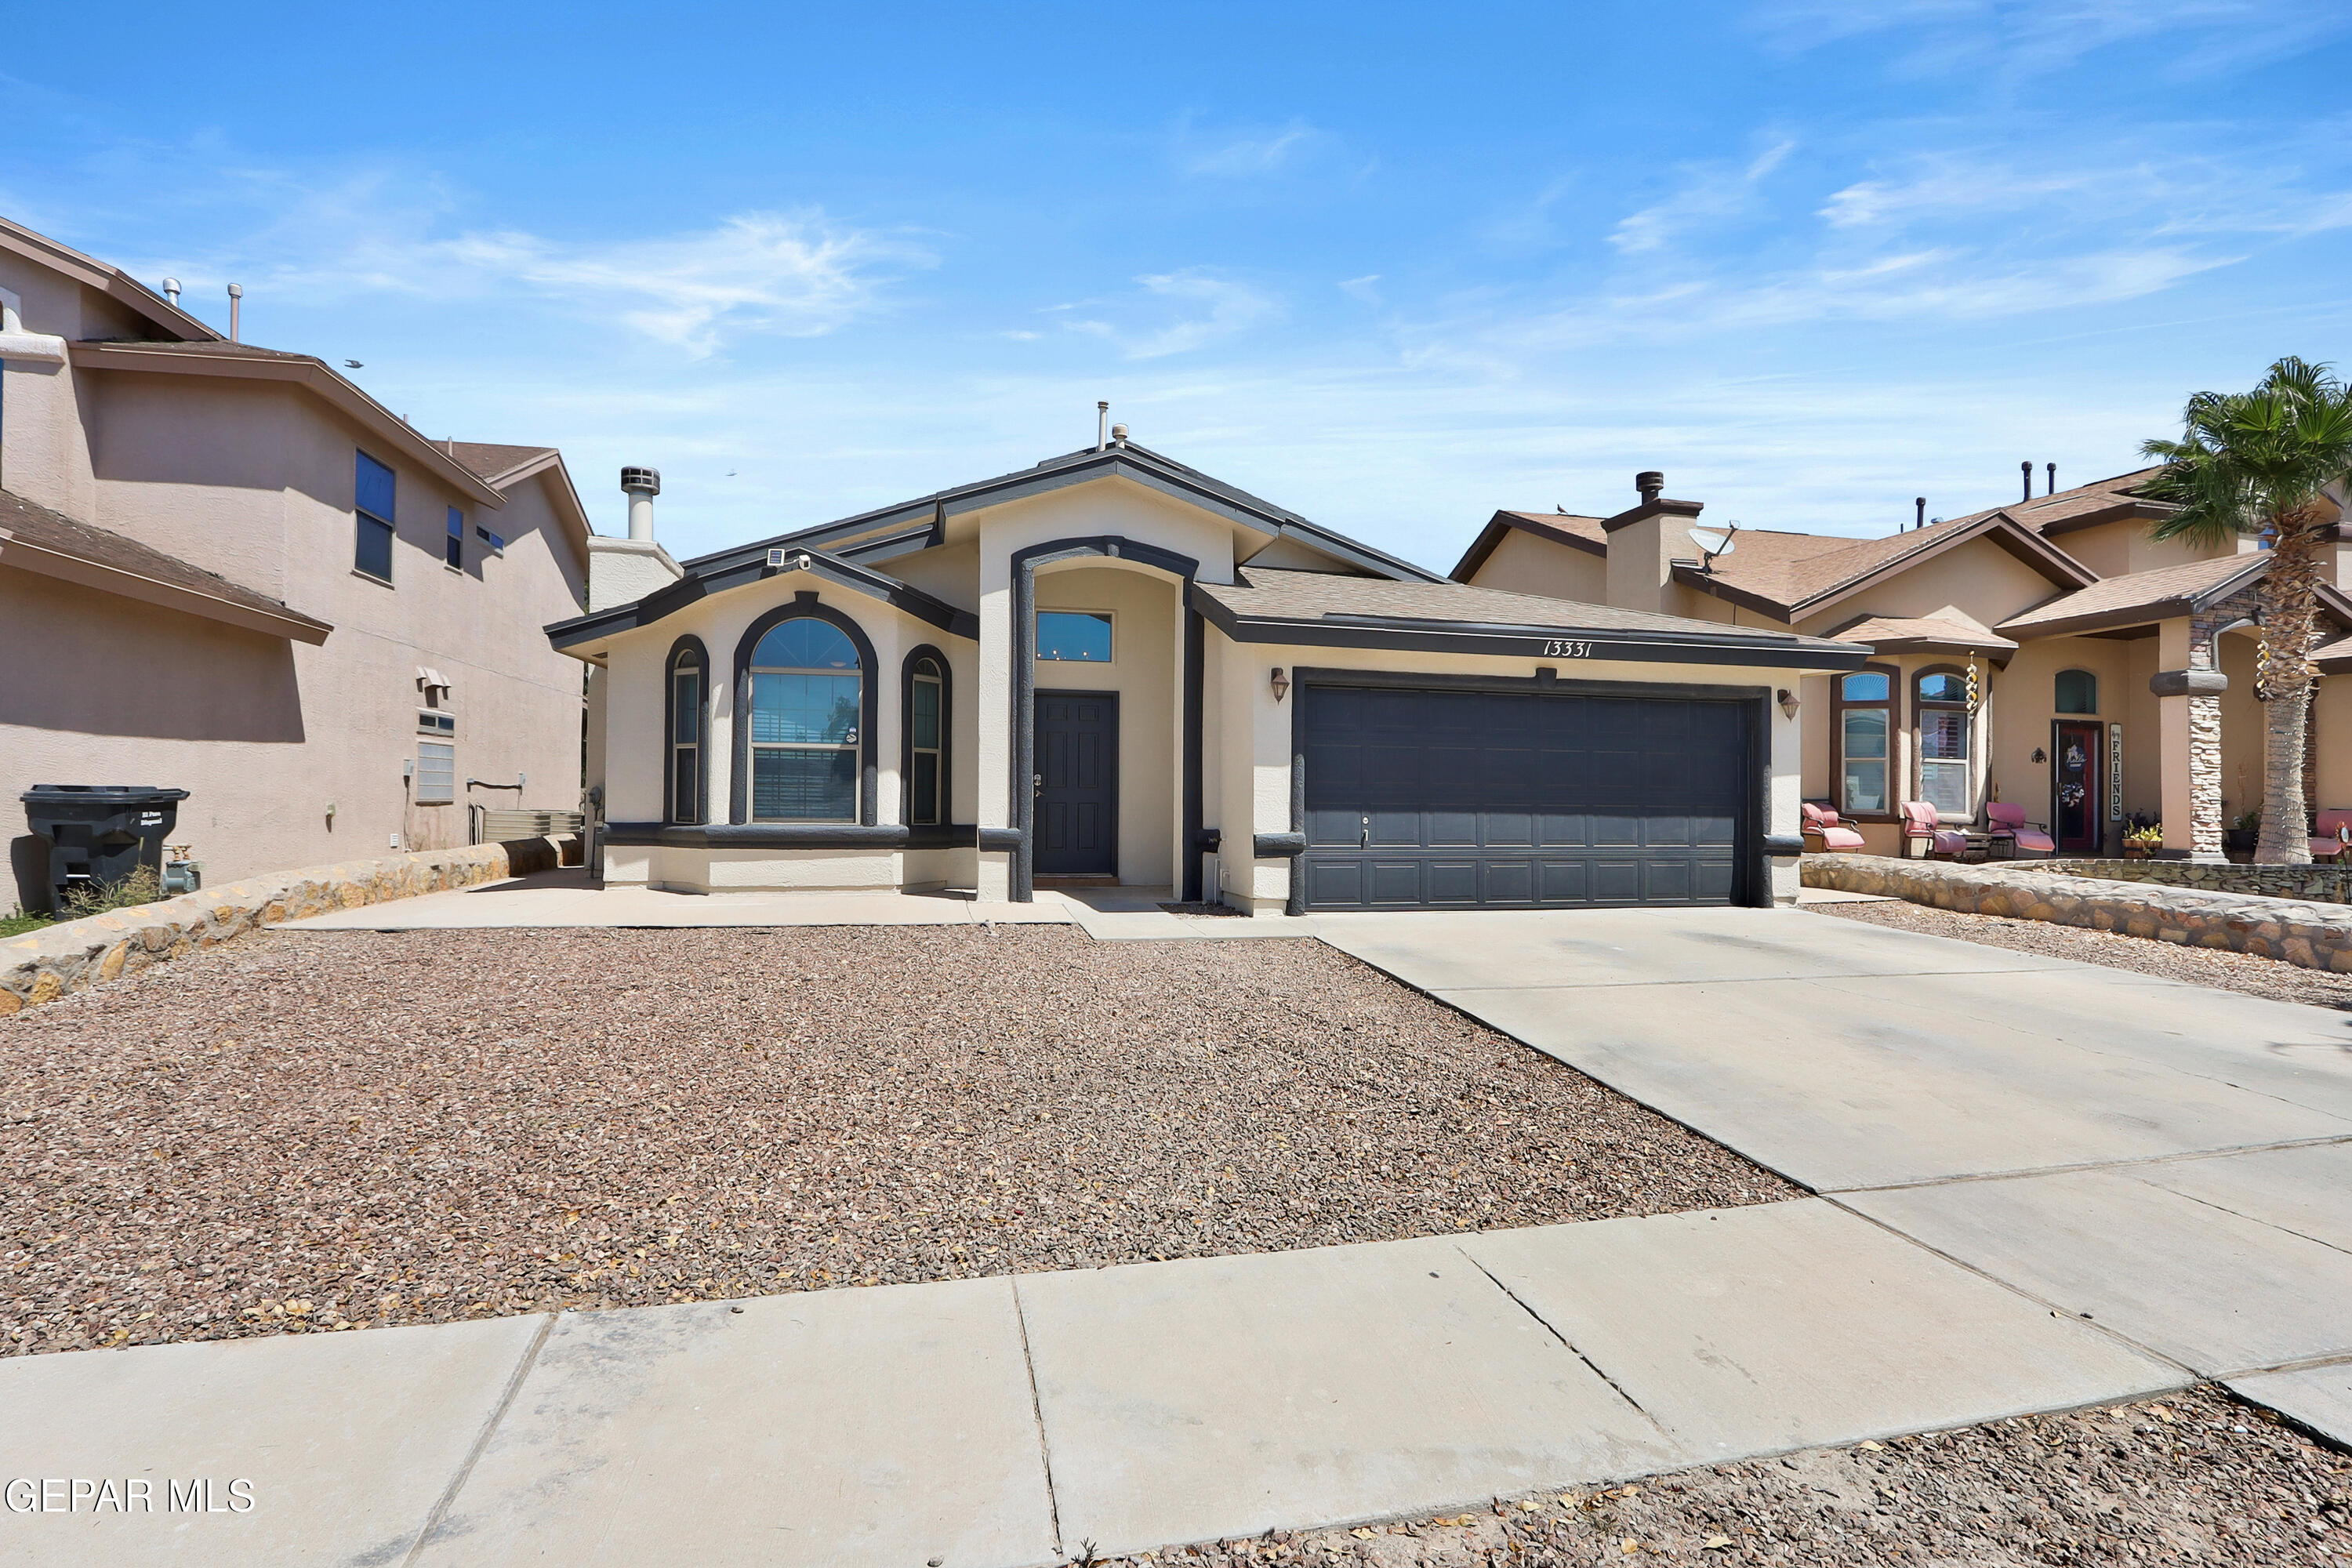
(2170, 1162)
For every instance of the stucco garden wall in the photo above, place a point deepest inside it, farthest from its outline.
(77, 954)
(2316, 936)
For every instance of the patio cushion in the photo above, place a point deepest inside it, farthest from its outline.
(1919, 819)
(1839, 838)
(2034, 838)
(1948, 841)
(2008, 819)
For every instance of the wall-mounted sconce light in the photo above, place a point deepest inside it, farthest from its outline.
(2040, 755)
(1281, 684)
(1788, 703)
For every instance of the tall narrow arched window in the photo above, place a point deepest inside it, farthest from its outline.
(1865, 725)
(1940, 717)
(685, 778)
(2077, 692)
(927, 718)
(807, 689)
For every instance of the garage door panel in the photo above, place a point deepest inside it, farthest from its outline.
(1452, 829)
(1464, 799)
(1392, 882)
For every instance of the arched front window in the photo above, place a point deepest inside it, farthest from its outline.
(807, 689)
(927, 708)
(1941, 720)
(2078, 691)
(1866, 722)
(689, 698)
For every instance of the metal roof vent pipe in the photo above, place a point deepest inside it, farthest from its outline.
(1919, 511)
(1650, 483)
(1102, 425)
(2026, 469)
(1118, 435)
(641, 484)
(171, 290)
(235, 299)
(2050, 489)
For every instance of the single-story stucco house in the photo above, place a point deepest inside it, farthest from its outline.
(1112, 668)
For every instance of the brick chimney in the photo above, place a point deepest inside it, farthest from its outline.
(1643, 544)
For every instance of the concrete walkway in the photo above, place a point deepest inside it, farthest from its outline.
(2043, 1186)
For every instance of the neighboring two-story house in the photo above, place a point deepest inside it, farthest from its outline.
(228, 569)
(2047, 653)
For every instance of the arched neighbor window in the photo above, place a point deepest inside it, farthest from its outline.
(2078, 691)
(1866, 722)
(686, 784)
(807, 691)
(924, 763)
(1941, 722)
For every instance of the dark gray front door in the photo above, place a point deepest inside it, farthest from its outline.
(1077, 784)
(1516, 800)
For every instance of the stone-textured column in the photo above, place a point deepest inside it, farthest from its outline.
(2189, 688)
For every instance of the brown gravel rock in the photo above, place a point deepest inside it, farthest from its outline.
(2255, 976)
(2195, 1479)
(312, 1130)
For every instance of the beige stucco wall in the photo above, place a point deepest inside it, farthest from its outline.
(1147, 671)
(1523, 564)
(634, 671)
(253, 481)
(2116, 548)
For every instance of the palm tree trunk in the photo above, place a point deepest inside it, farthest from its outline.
(2290, 601)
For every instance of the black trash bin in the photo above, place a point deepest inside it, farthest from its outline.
(102, 832)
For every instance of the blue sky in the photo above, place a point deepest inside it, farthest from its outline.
(1392, 266)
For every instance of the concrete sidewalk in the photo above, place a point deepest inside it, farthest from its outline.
(1012, 1421)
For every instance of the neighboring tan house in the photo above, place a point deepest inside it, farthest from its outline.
(228, 569)
(2048, 653)
(1111, 667)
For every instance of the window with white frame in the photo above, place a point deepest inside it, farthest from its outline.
(1865, 712)
(686, 737)
(807, 688)
(1941, 720)
(432, 722)
(436, 772)
(926, 714)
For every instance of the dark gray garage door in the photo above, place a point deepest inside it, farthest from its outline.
(1476, 799)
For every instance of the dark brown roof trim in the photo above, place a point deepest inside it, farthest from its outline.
(1691, 575)
(2130, 508)
(1652, 509)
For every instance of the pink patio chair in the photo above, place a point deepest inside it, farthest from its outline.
(2327, 833)
(2007, 820)
(1823, 825)
(1922, 826)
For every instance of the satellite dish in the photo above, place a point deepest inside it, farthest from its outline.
(1705, 538)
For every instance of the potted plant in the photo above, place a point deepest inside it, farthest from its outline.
(2244, 833)
(2140, 843)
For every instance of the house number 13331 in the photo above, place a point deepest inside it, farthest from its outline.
(1556, 648)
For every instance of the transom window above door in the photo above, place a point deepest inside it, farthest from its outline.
(1074, 637)
(807, 686)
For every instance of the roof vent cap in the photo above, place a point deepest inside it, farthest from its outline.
(1651, 482)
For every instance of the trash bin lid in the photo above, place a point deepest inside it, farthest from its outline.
(107, 794)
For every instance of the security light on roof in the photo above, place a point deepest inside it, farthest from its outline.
(788, 560)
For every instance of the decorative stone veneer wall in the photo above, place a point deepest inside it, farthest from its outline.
(2318, 884)
(2316, 936)
(74, 955)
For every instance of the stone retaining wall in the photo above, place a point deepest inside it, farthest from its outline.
(2319, 884)
(2316, 936)
(73, 956)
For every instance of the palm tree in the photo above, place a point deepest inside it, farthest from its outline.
(2258, 463)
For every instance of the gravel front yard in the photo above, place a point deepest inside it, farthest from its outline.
(2271, 977)
(2195, 1479)
(301, 1131)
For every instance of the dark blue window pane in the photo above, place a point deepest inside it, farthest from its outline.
(454, 551)
(1074, 637)
(687, 707)
(1865, 686)
(372, 554)
(803, 708)
(927, 788)
(1943, 688)
(372, 489)
(926, 716)
(804, 786)
(805, 643)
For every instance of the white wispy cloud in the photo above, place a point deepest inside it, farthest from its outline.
(1709, 195)
(1247, 153)
(1182, 311)
(2008, 38)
